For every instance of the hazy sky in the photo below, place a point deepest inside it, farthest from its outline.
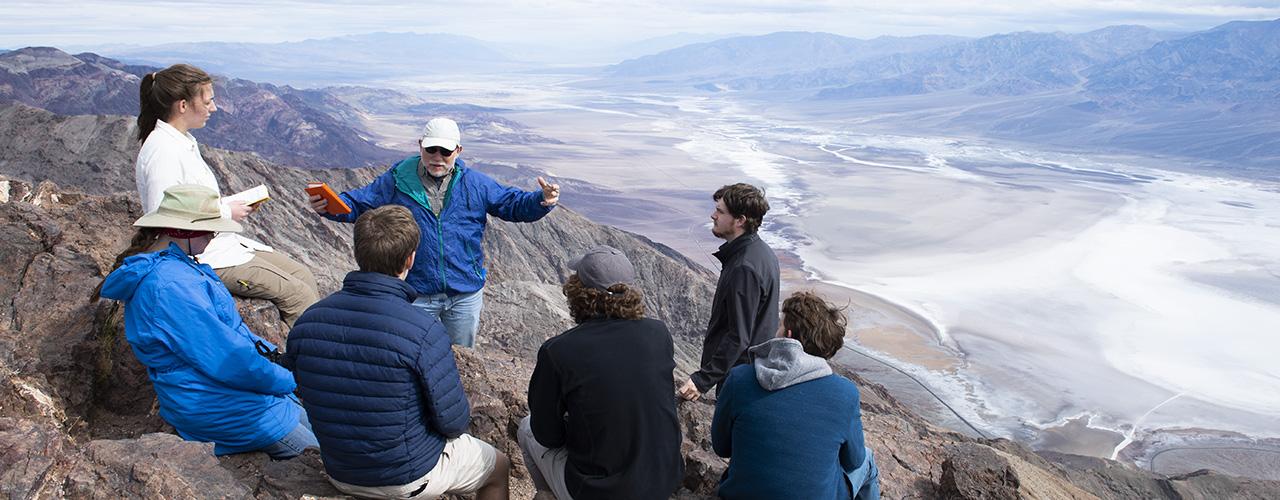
(89, 23)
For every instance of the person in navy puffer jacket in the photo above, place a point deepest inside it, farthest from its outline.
(379, 381)
(451, 204)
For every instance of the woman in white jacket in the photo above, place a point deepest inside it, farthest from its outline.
(173, 102)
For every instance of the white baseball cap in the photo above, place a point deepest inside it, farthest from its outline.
(441, 132)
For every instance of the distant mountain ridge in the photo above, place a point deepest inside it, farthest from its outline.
(280, 123)
(1003, 64)
(1211, 95)
(325, 60)
(1236, 62)
(775, 53)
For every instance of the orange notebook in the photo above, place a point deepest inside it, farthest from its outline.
(336, 206)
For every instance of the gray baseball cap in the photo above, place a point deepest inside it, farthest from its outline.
(604, 266)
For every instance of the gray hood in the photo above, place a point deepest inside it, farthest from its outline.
(782, 363)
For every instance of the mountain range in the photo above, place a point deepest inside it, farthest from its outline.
(772, 54)
(349, 58)
(308, 128)
(1193, 100)
(281, 123)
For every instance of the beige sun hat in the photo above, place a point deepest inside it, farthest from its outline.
(191, 207)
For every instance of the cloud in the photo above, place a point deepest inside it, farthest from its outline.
(62, 22)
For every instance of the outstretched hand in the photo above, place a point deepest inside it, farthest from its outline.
(550, 192)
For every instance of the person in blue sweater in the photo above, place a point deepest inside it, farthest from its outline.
(450, 203)
(205, 365)
(791, 427)
(378, 379)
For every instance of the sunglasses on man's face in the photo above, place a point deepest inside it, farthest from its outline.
(437, 150)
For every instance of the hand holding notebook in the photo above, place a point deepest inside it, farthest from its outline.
(251, 196)
(332, 203)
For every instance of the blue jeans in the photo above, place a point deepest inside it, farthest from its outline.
(865, 480)
(292, 444)
(459, 313)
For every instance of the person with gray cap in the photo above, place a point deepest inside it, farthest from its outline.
(451, 204)
(211, 375)
(602, 421)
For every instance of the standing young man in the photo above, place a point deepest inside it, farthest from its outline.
(390, 411)
(602, 423)
(450, 204)
(744, 311)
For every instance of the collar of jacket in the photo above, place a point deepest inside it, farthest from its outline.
(378, 284)
(408, 182)
(731, 248)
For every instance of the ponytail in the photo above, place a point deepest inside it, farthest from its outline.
(142, 240)
(160, 89)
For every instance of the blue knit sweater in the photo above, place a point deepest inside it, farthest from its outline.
(797, 441)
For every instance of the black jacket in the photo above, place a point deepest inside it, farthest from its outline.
(603, 391)
(744, 312)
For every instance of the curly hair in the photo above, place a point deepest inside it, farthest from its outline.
(586, 303)
(818, 326)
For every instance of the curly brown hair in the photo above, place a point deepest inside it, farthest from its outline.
(586, 303)
(818, 326)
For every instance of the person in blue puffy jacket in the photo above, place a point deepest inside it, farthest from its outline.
(208, 370)
(379, 381)
(450, 204)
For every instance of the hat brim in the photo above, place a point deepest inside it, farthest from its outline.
(218, 225)
(443, 142)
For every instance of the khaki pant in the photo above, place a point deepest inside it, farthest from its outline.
(546, 465)
(275, 277)
(462, 468)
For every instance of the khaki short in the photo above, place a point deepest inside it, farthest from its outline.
(464, 465)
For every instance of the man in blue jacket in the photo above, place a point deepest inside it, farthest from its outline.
(379, 380)
(450, 203)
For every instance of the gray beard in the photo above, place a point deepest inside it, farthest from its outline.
(425, 173)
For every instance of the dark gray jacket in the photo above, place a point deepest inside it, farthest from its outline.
(744, 312)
